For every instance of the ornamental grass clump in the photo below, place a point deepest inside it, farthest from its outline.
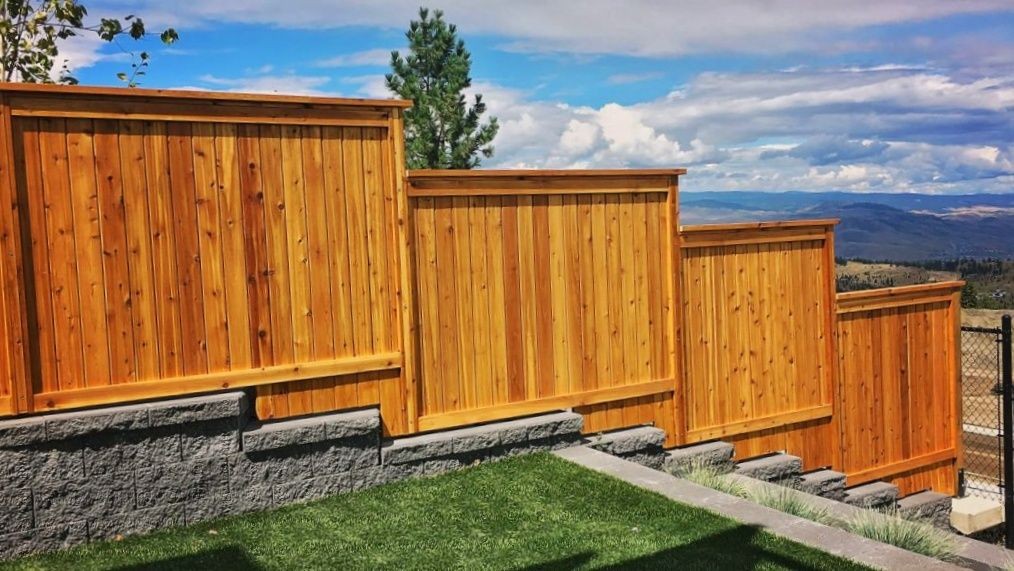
(791, 502)
(709, 476)
(898, 531)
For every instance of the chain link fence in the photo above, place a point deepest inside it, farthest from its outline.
(982, 409)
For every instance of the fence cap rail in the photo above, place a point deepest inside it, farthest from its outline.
(431, 174)
(769, 225)
(900, 296)
(195, 95)
(899, 291)
(510, 182)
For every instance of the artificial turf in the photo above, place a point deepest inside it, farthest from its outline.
(535, 512)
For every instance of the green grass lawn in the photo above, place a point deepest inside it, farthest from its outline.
(535, 512)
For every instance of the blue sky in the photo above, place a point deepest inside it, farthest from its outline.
(887, 96)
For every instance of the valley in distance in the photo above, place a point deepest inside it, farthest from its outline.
(893, 239)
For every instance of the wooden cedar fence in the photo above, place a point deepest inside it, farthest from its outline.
(543, 291)
(165, 243)
(177, 242)
(899, 368)
(758, 315)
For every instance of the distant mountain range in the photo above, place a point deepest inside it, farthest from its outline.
(880, 226)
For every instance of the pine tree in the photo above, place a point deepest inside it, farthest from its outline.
(441, 130)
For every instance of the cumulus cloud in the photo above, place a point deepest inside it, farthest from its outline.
(829, 149)
(899, 129)
(365, 58)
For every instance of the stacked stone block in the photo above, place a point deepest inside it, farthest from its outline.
(70, 478)
(642, 445)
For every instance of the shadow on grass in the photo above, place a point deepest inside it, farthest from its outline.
(222, 558)
(733, 549)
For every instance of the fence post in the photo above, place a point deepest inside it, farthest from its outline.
(1008, 430)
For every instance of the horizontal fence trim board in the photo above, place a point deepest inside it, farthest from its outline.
(692, 243)
(769, 225)
(758, 424)
(416, 192)
(217, 381)
(538, 173)
(900, 291)
(898, 468)
(473, 416)
(893, 303)
(201, 118)
(183, 94)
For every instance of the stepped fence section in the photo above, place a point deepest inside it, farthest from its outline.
(165, 243)
(545, 290)
(758, 314)
(900, 372)
(170, 243)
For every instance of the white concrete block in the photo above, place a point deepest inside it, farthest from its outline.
(971, 514)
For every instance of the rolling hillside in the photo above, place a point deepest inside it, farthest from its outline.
(897, 227)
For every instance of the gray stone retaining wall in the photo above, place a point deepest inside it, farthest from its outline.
(71, 478)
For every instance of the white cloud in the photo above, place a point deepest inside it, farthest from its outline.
(638, 27)
(288, 84)
(375, 57)
(627, 78)
(896, 130)
(579, 138)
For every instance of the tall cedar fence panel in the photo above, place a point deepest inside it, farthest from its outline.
(758, 315)
(543, 291)
(900, 385)
(174, 243)
(166, 243)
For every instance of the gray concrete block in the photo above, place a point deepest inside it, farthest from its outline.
(174, 483)
(774, 468)
(94, 497)
(135, 522)
(931, 507)
(310, 489)
(475, 440)
(415, 448)
(342, 456)
(116, 452)
(549, 425)
(261, 437)
(824, 483)
(486, 437)
(22, 432)
(84, 422)
(199, 409)
(16, 510)
(259, 469)
(363, 478)
(352, 424)
(716, 454)
(238, 501)
(14, 545)
(209, 438)
(629, 441)
(41, 464)
(872, 495)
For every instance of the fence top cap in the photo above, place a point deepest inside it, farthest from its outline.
(773, 224)
(210, 96)
(537, 173)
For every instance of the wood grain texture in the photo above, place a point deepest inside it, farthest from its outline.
(169, 251)
(166, 243)
(899, 386)
(757, 334)
(525, 305)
